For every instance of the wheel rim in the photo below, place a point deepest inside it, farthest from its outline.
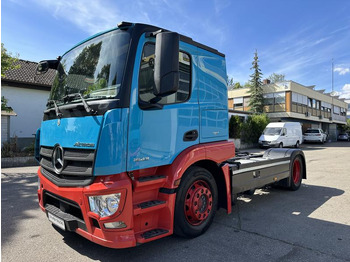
(296, 171)
(198, 202)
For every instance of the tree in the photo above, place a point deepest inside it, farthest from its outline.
(235, 85)
(8, 62)
(4, 106)
(230, 82)
(247, 85)
(256, 101)
(274, 78)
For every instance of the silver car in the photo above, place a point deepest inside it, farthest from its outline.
(315, 135)
(343, 137)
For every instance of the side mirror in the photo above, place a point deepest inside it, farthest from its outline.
(166, 66)
(43, 66)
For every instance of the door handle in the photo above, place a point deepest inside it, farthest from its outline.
(190, 135)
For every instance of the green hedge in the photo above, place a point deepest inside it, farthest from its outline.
(253, 127)
(235, 127)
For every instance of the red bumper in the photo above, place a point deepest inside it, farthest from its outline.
(96, 232)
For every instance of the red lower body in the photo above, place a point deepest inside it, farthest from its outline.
(135, 210)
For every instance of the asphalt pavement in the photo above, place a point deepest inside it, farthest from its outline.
(311, 224)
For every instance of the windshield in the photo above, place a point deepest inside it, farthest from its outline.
(272, 131)
(312, 131)
(93, 69)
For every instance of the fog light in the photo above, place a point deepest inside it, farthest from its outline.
(118, 224)
(105, 205)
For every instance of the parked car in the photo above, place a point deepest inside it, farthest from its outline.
(281, 134)
(343, 137)
(315, 135)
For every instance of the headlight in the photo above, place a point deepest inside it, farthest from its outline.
(105, 205)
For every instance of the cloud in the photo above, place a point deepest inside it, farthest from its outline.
(92, 16)
(345, 92)
(342, 70)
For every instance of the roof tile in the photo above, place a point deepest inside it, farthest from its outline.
(27, 74)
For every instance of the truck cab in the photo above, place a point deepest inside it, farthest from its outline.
(117, 119)
(134, 144)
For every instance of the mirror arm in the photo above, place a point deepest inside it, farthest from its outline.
(153, 34)
(148, 105)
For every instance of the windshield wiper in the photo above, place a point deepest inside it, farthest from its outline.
(57, 110)
(87, 108)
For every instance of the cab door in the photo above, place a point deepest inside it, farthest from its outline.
(157, 135)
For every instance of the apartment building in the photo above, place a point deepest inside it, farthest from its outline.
(291, 101)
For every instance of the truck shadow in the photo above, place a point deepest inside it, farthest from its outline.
(18, 199)
(272, 214)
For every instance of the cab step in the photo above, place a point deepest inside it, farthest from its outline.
(154, 233)
(149, 206)
(150, 178)
(151, 203)
(149, 182)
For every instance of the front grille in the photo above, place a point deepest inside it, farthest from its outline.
(77, 166)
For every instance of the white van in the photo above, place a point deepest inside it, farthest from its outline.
(281, 134)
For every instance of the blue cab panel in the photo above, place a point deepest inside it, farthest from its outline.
(68, 131)
(156, 136)
(111, 150)
(106, 133)
(212, 97)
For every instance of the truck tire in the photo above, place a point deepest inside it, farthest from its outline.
(296, 173)
(196, 203)
(280, 145)
(297, 144)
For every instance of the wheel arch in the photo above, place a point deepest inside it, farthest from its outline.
(219, 177)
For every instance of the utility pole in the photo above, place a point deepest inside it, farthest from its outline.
(332, 109)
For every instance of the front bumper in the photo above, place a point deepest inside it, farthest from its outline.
(312, 139)
(268, 144)
(71, 204)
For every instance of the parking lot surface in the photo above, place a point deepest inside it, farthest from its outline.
(311, 224)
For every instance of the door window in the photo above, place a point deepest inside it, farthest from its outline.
(146, 78)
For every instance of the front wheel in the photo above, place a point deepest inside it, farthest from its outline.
(196, 203)
(280, 145)
(296, 173)
(297, 144)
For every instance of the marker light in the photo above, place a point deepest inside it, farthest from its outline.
(118, 224)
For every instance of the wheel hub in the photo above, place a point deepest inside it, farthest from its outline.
(296, 171)
(198, 202)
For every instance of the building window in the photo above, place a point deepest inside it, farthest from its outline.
(313, 103)
(280, 98)
(336, 110)
(318, 104)
(246, 101)
(342, 111)
(275, 102)
(268, 99)
(238, 102)
(309, 102)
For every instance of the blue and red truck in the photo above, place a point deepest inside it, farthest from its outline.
(134, 145)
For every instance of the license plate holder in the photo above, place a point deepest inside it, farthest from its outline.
(56, 221)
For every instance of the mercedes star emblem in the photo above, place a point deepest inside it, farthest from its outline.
(57, 159)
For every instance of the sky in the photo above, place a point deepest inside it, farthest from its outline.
(297, 38)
